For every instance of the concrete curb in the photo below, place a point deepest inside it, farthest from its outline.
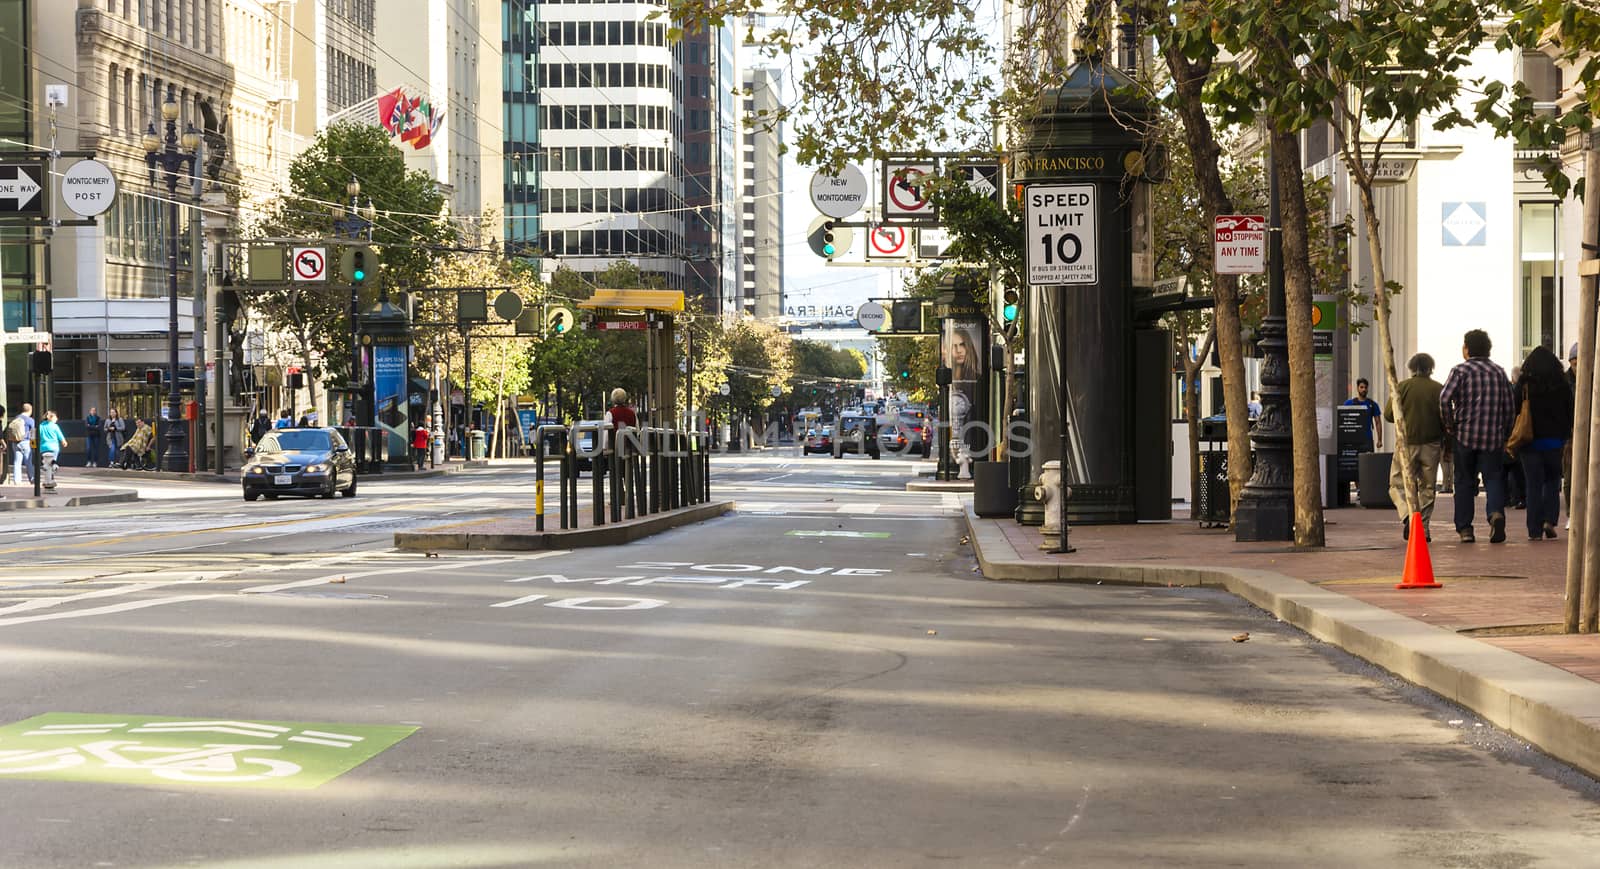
(444, 537)
(8, 504)
(939, 486)
(1555, 710)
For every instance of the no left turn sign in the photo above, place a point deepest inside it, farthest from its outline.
(310, 263)
(906, 191)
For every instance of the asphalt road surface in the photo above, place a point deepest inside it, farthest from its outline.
(820, 679)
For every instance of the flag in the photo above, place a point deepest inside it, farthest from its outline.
(392, 110)
(416, 121)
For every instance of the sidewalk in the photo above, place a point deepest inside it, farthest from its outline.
(1489, 640)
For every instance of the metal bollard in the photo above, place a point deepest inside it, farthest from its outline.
(567, 482)
(614, 469)
(538, 486)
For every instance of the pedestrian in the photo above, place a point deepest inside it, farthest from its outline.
(259, 427)
(94, 436)
(1542, 388)
(1374, 430)
(621, 415)
(1419, 443)
(51, 442)
(5, 464)
(1477, 408)
(284, 419)
(1516, 482)
(305, 419)
(19, 434)
(1253, 407)
(419, 445)
(116, 431)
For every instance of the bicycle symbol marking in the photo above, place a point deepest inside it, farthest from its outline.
(136, 749)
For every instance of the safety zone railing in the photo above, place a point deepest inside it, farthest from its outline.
(634, 471)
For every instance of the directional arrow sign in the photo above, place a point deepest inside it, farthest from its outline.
(982, 179)
(19, 189)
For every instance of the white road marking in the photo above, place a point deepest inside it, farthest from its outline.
(521, 600)
(43, 603)
(107, 610)
(859, 508)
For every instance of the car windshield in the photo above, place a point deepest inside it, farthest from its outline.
(295, 442)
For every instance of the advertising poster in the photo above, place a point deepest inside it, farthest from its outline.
(963, 355)
(389, 391)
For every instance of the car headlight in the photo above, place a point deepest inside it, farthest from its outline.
(318, 468)
(254, 469)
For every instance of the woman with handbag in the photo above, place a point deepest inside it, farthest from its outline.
(1542, 429)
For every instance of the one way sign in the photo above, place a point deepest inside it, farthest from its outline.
(981, 178)
(20, 187)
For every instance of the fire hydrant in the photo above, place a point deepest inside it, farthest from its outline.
(1049, 493)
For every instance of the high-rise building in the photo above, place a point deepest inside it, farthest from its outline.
(761, 290)
(597, 133)
(710, 167)
(446, 51)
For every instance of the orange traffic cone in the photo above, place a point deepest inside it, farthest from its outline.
(1419, 567)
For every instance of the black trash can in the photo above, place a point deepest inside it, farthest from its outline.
(992, 492)
(1372, 484)
(1213, 507)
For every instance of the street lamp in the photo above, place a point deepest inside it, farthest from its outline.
(173, 157)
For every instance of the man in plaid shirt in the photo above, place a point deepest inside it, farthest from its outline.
(1478, 409)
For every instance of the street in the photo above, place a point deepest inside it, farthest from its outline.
(817, 679)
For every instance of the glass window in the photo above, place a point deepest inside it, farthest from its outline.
(1539, 253)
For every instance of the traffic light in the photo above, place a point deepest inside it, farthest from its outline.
(357, 263)
(905, 372)
(297, 380)
(1009, 308)
(828, 246)
(558, 320)
(152, 377)
(39, 361)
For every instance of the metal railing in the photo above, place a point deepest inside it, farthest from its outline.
(633, 471)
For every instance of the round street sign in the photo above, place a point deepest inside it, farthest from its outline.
(871, 316)
(841, 195)
(88, 188)
(724, 389)
(508, 305)
(777, 391)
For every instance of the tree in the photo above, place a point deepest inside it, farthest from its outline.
(760, 358)
(1569, 31)
(408, 231)
(500, 359)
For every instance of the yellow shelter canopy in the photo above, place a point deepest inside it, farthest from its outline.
(648, 300)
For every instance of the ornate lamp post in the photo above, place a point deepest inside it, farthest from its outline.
(172, 158)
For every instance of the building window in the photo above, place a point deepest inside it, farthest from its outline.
(1539, 253)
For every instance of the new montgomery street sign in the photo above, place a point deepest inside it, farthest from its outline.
(164, 751)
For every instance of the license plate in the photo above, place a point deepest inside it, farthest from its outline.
(283, 480)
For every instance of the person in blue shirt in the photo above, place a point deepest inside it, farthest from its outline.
(51, 442)
(1374, 413)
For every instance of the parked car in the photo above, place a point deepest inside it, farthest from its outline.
(818, 440)
(313, 462)
(857, 434)
(902, 440)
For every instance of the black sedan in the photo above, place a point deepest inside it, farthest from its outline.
(313, 462)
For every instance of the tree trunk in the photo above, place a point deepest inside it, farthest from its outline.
(1580, 541)
(1189, 80)
(1380, 296)
(1191, 411)
(1308, 529)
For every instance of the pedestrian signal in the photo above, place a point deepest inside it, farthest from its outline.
(152, 377)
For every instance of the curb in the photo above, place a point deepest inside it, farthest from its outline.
(1553, 709)
(9, 504)
(605, 535)
(939, 486)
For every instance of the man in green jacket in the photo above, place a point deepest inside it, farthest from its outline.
(1421, 441)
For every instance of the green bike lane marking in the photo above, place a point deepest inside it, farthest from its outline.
(160, 750)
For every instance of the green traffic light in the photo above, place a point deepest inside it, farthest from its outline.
(1010, 313)
(828, 249)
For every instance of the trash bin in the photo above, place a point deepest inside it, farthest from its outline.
(1214, 491)
(1373, 485)
(480, 447)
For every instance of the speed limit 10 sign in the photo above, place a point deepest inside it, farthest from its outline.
(1061, 234)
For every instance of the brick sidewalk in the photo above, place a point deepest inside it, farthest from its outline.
(1516, 583)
